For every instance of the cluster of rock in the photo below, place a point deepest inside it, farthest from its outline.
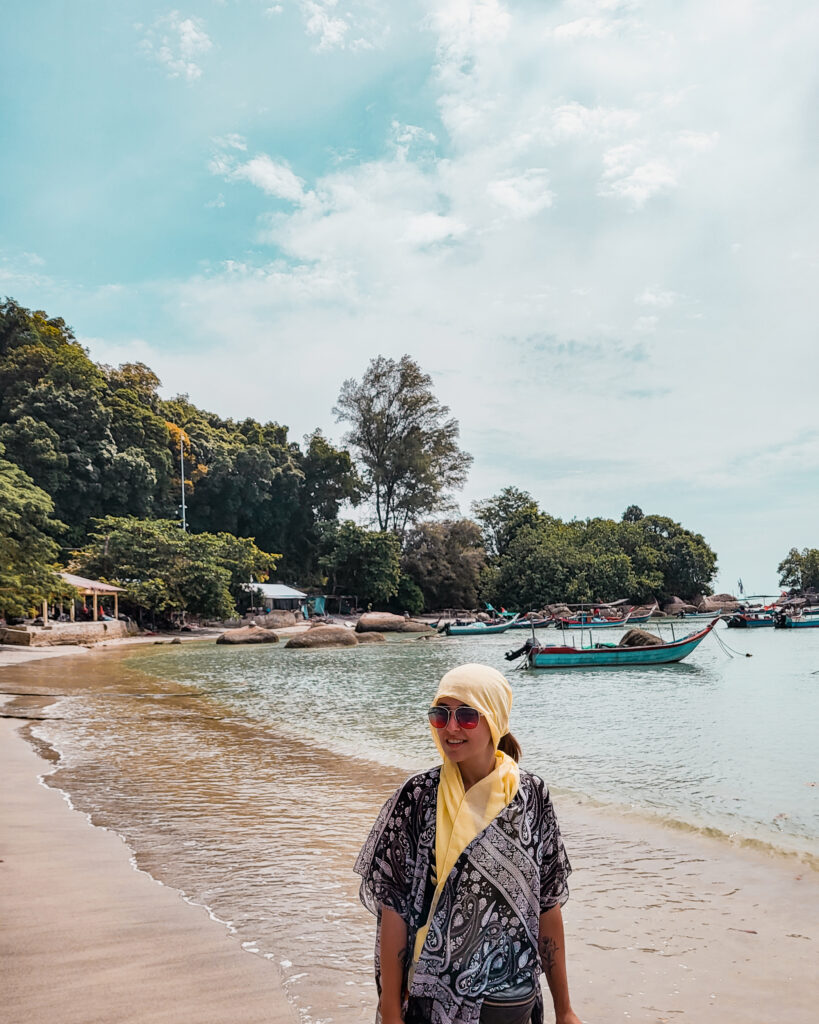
(383, 622)
(712, 603)
(326, 635)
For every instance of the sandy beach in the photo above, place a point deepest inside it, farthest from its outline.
(663, 925)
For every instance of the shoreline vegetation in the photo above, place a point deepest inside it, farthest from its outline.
(665, 924)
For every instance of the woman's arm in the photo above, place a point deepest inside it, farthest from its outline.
(552, 949)
(394, 955)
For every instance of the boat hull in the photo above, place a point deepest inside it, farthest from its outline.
(477, 630)
(741, 622)
(789, 623)
(612, 657)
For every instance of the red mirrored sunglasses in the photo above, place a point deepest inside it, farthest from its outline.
(466, 718)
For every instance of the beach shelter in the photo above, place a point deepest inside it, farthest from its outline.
(277, 595)
(88, 588)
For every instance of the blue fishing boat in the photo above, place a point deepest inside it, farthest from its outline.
(611, 655)
(750, 620)
(476, 628)
(784, 621)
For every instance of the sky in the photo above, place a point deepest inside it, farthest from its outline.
(592, 222)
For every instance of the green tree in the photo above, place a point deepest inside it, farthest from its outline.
(445, 560)
(503, 516)
(363, 563)
(799, 570)
(164, 569)
(28, 550)
(407, 446)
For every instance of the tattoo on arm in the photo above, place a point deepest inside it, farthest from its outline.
(548, 948)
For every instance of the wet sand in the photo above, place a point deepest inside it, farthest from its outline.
(86, 938)
(662, 925)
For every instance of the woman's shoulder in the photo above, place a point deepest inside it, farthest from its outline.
(533, 785)
(421, 782)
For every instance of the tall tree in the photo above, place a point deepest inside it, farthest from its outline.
(28, 550)
(405, 440)
(799, 570)
(503, 516)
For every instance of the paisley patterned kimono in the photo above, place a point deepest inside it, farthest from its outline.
(483, 936)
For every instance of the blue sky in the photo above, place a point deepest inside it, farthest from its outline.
(593, 222)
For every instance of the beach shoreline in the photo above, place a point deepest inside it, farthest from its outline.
(662, 926)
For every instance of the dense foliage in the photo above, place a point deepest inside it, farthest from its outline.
(28, 550)
(94, 457)
(541, 560)
(166, 570)
(445, 561)
(799, 570)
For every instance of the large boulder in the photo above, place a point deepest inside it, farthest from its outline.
(323, 636)
(718, 602)
(248, 635)
(640, 638)
(278, 618)
(676, 605)
(371, 638)
(383, 622)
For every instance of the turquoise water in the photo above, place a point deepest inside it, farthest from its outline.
(716, 743)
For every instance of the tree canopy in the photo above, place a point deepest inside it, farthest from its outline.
(544, 560)
(28, 549)
(93, 454)
(799, 570)
(165, 570)
(405, 440)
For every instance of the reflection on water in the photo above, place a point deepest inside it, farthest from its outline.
(225, 770)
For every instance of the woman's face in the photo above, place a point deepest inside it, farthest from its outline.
(462, 744)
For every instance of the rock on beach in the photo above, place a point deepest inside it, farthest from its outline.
(371, 638)
(323, 636)
(384, 622)
(248, 635)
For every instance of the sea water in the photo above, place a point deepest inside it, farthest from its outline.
(247, 777)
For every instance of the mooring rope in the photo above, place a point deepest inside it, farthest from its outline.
(726, 648)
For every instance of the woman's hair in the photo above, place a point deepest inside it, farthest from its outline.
(510, 746)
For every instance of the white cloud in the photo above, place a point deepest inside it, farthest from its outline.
(177, 44)
(273, 177)
(357, 27)
(523, 195)
(656, 297)
(586, 228)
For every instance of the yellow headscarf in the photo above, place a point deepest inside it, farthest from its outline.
(462, 814)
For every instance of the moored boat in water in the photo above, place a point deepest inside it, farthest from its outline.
(476, 628)
(601, 655)
(750, 620)
(594, 622)
(782, 620)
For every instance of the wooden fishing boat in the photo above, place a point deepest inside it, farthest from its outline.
(592, 623)
(638, 620)
(477, 628)
(610, 655)
(532, 623)
(784, 621)
(694, 616)
(750, 620)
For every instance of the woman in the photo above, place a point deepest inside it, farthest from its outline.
(466, 872)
